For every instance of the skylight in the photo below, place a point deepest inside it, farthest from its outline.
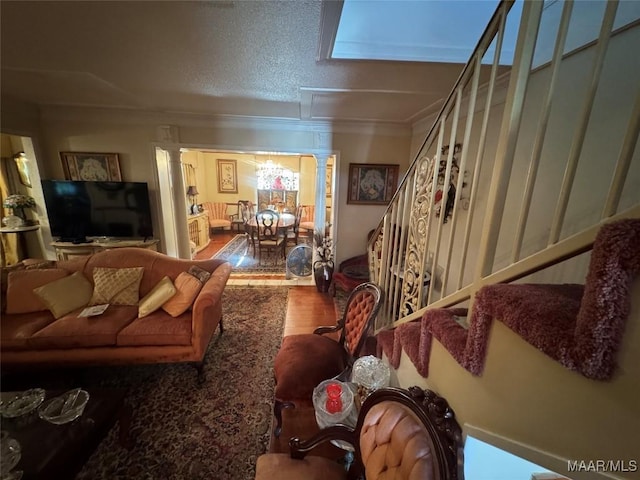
(419, 31)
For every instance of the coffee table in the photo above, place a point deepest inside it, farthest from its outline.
(59, 451)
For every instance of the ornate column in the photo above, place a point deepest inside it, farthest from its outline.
(321, 193)
(179, 200)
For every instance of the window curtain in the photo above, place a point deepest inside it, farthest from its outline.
(9, 242)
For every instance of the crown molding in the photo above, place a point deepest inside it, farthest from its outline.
(52, 113)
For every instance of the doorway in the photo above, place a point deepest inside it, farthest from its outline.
(206, 167)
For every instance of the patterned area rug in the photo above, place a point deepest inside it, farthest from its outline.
(239, 254)
(186, 431)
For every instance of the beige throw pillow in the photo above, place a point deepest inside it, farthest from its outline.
(65, 295)
(153, 300)
(187, 287)
(116, 286)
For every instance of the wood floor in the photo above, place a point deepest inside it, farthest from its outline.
(306, 310)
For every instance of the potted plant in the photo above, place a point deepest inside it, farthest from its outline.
(323, 266)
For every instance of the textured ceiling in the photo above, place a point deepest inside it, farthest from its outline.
(248, 58)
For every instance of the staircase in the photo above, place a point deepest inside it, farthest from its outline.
(532, 153)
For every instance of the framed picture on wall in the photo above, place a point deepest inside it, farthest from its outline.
(227, 176)
(101, 167)
(328, 180)
(372, 183)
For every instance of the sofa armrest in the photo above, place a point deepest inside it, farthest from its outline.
(207, 307)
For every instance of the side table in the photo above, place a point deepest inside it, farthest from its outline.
(20, 231)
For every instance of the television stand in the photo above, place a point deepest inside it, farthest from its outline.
(70, 250)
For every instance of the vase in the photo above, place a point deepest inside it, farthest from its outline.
(323, 273)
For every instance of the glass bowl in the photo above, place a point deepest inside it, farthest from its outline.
(346, 415)
(10, 453)
(64, 408)
(22, 403)
(370, 373)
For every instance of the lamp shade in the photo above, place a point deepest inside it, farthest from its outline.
(192, 190)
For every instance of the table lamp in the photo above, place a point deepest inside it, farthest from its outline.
(192, 191)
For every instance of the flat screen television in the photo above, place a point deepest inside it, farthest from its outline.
(79, 209)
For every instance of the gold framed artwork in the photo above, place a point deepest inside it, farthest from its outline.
(227, 176)
(329, 180)
(22, 164)
(101, 167)
(372, 183)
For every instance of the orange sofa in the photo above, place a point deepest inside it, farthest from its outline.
(118, 336)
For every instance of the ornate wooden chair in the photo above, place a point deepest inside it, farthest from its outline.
(305, 360)
(245, 212)
(269, 237)
(400, 434)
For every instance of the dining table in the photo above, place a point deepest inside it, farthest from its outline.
(286, 220)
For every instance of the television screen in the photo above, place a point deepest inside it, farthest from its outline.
(79, 209)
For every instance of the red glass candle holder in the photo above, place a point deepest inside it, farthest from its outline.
(334, 398)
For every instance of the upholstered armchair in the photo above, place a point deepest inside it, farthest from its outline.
(307, 218)
(305, 360)
(400, 434)
(217, 213)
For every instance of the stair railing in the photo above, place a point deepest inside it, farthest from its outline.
(425, 253)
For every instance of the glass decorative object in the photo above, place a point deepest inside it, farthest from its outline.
(370, 373)
(22, 403)
(65, 408)
(12, 221)
(326, 411)
(10, 453)
(334, 402)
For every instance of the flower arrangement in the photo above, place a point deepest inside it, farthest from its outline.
(324, 247)
(19, 201)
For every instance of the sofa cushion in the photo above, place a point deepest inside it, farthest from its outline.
(187, 287)
(72, 331)
(20, 285)
(153, 300)
(116, 286)
(18, 328)
(66, 294)
(158, 328)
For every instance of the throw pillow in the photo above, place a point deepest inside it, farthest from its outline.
(187, 287)
(65, 295)
(153, 300)
(200, 273)
(20, 285)
(116, 286)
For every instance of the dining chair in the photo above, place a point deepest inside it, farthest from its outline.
(305, 360)
(270, 239)
(241, 217)
(307, 221)
(293, 233)
(399, 434)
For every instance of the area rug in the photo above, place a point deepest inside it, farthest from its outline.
(238, 252)
(186, 431)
